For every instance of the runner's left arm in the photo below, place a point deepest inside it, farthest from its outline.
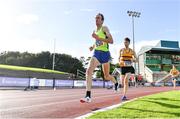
(135, 57)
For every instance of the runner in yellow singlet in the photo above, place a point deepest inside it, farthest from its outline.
(101, 55)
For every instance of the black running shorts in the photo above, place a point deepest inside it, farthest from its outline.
(125, 70)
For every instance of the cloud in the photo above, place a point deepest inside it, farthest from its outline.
(142, 43)
(167, 31)
(67, 12)
(170, 30)
(115, 32)
(87, 10)
(27, 19)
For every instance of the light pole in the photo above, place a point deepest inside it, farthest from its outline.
(54, 54)
(133, 14)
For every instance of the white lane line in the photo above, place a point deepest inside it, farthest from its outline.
(52, 93)
(58, 92)
(46, 98)
(59, 95)
(74, 100)
(47, 104)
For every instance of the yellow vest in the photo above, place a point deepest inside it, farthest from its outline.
(174, 72)
(101, 34)
(126, 57)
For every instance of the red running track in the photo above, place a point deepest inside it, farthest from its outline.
(62, 103)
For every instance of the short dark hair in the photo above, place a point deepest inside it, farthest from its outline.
(127, 39)
(102, 16)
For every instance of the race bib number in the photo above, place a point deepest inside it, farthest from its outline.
(99, 43)
(128, 63)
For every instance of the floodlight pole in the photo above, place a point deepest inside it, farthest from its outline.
(54, 55)
(133, 14)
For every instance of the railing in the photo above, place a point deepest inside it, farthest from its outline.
(154, 76)
(81, 74)
(148, 74)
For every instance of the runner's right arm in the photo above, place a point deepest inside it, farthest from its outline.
(119, 55)
(92, 47)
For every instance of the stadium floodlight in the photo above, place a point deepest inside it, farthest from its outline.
(133, 14)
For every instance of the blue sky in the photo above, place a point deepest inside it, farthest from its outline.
(32, 25)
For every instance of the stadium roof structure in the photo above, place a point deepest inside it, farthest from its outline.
(161, 49)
